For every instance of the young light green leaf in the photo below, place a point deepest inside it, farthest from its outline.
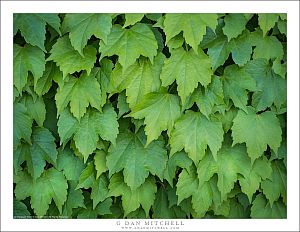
(129, 44)
(99, 190)
(100, 162)
(82, 26)
(192, 25)
(267, 21)
(160, 111)
(184, 67)
(87, 87)
(257, 131)
(132, 18)
(138, 79)
(35, 108)
(129, 153)
(87, 177)
(195, 133)
(69, 60)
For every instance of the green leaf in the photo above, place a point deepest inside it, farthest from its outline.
(35, 108)
(144, 195)
(20, 210)
(194, 133)
(261, 170)
(218, 51)
(192, 25)
(87, 177)
(32, 27)
(102, 209)
(44, 83)
(43, 149)
(161, 207)
(74, 199)
(22, 124)
(236, 83)
(137, 161)
(132, 18)
(53, 185)
(138, 79)
(67, 126)
(272, 88)
(93, 125)
(276, 186)
(234, 25)
(27, 58)
(160, 111)
(267, 21)
(209, 98)
(100, 162)
(231, 161)
(257, 131)
(129, 44)
(82, 26)
(87, 87)
(122, 105)
(69, 164)
(261, 209)
(99, 190)
(179, 159)
(241, 48)
(268, 47)
(69, 60)
(184, 67)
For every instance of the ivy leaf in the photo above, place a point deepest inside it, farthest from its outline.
(261, 170)
(144, 195)
(22, 124)
(32, 27)
(70, 60)
(194, 133)
(276, 186)
(44, 83)
(236, 83)
(102, 208)
(27, 58)
(99, 190)
(231, 161)
(87, 177)
(161, 208)
(132, 18)
(82, 26)
(100, 162)
(192, 25)
(262, 210)
(179, 159)
(138, 79)
(74, 199)
(234, 25)
(184, 67)
(268, 47)
(267, 21)
(129, 44)
(20, 209)
(209, 98)
(271, 87)
(53, 185)
(160, 111)
(87, 87)
(241, 48)
(257, 131)
(137, 161)
(35, 108)
(218, 51)
(93, 125)
(203, 195)
(43, 149)
(71, 165)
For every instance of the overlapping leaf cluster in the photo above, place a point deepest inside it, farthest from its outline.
(150, 115)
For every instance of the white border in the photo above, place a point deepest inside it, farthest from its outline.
(8, 8)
